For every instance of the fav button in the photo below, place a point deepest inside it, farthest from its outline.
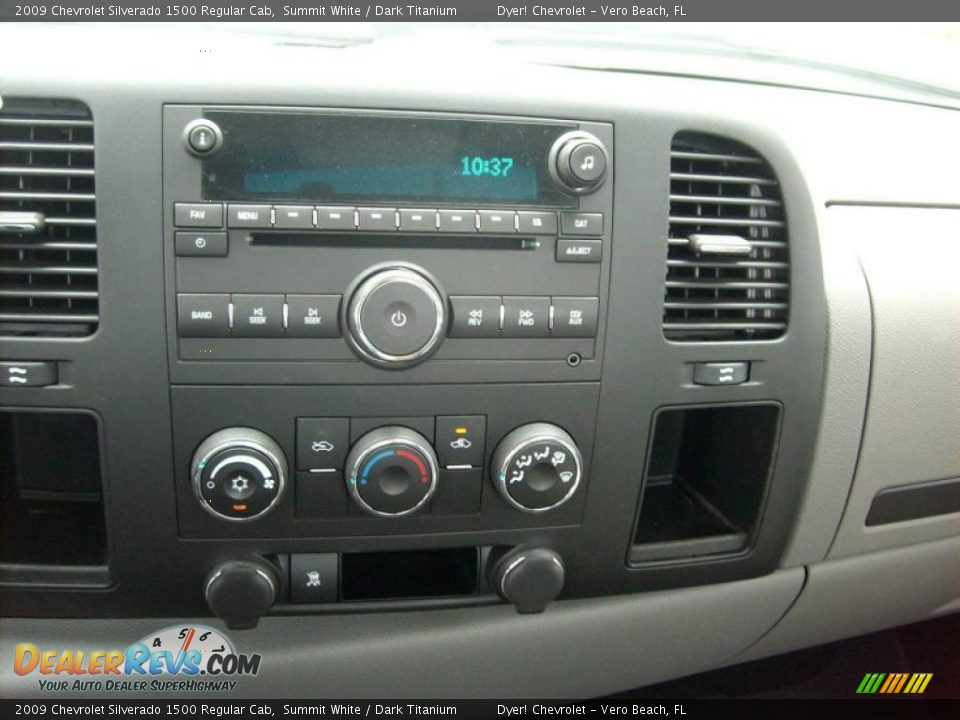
(198, 215)
(526, 317)
(257, 315)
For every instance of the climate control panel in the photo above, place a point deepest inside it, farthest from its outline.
(492, 460)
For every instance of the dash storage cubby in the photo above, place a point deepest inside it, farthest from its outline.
(705, 481)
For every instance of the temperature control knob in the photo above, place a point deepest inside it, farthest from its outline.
(391, 471)
(578, 161)
(537, 467)
(238, 474)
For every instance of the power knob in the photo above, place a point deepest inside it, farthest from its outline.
(537, 467)
(578, 162)
(396, 316)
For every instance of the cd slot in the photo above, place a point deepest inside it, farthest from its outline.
(270, 238)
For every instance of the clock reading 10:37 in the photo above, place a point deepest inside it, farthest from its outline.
(477, 166)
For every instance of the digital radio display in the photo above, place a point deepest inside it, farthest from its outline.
(317, 158)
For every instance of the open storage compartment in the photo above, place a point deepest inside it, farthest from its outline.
(705, 481)
(52, 527)
(410, 574)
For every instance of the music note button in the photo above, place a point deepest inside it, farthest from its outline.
(588, 162)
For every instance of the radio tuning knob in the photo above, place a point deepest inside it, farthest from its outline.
(578, 162)
(537, 467)
(238, 474)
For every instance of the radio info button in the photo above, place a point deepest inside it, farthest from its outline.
(458, 221)
(539, 223)
(475, 316)
(335, 218)
(202, 315)
(526, 317)
(418, 220)
(313, 316)
(293, 217)
(248, 216)
(579, 251)
(258, 315)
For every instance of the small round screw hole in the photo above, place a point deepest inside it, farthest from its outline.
(574, 359)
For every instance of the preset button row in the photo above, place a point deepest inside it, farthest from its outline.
(374, 219)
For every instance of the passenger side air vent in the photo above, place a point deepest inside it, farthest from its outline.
(48, 227)
(727, 261)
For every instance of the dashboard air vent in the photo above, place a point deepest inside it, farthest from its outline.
(48, 227)
(727, 260)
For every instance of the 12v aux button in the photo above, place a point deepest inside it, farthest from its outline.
(395, 317)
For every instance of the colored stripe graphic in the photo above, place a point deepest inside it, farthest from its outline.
(894, 683)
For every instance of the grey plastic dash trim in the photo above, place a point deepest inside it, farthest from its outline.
(472, 652)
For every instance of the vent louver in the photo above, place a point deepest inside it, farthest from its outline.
(727, 260)
(48, 228)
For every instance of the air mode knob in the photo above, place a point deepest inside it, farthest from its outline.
(391, 471)
(578, 162)
(239, 474)
(537, 467)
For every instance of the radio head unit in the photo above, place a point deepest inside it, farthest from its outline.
(375, 159)
(330, 237)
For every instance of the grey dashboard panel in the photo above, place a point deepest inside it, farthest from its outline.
(912, 431)
(844, 398)
(852, 596)
(574, 649)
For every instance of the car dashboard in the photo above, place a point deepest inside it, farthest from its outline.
(367, 351)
